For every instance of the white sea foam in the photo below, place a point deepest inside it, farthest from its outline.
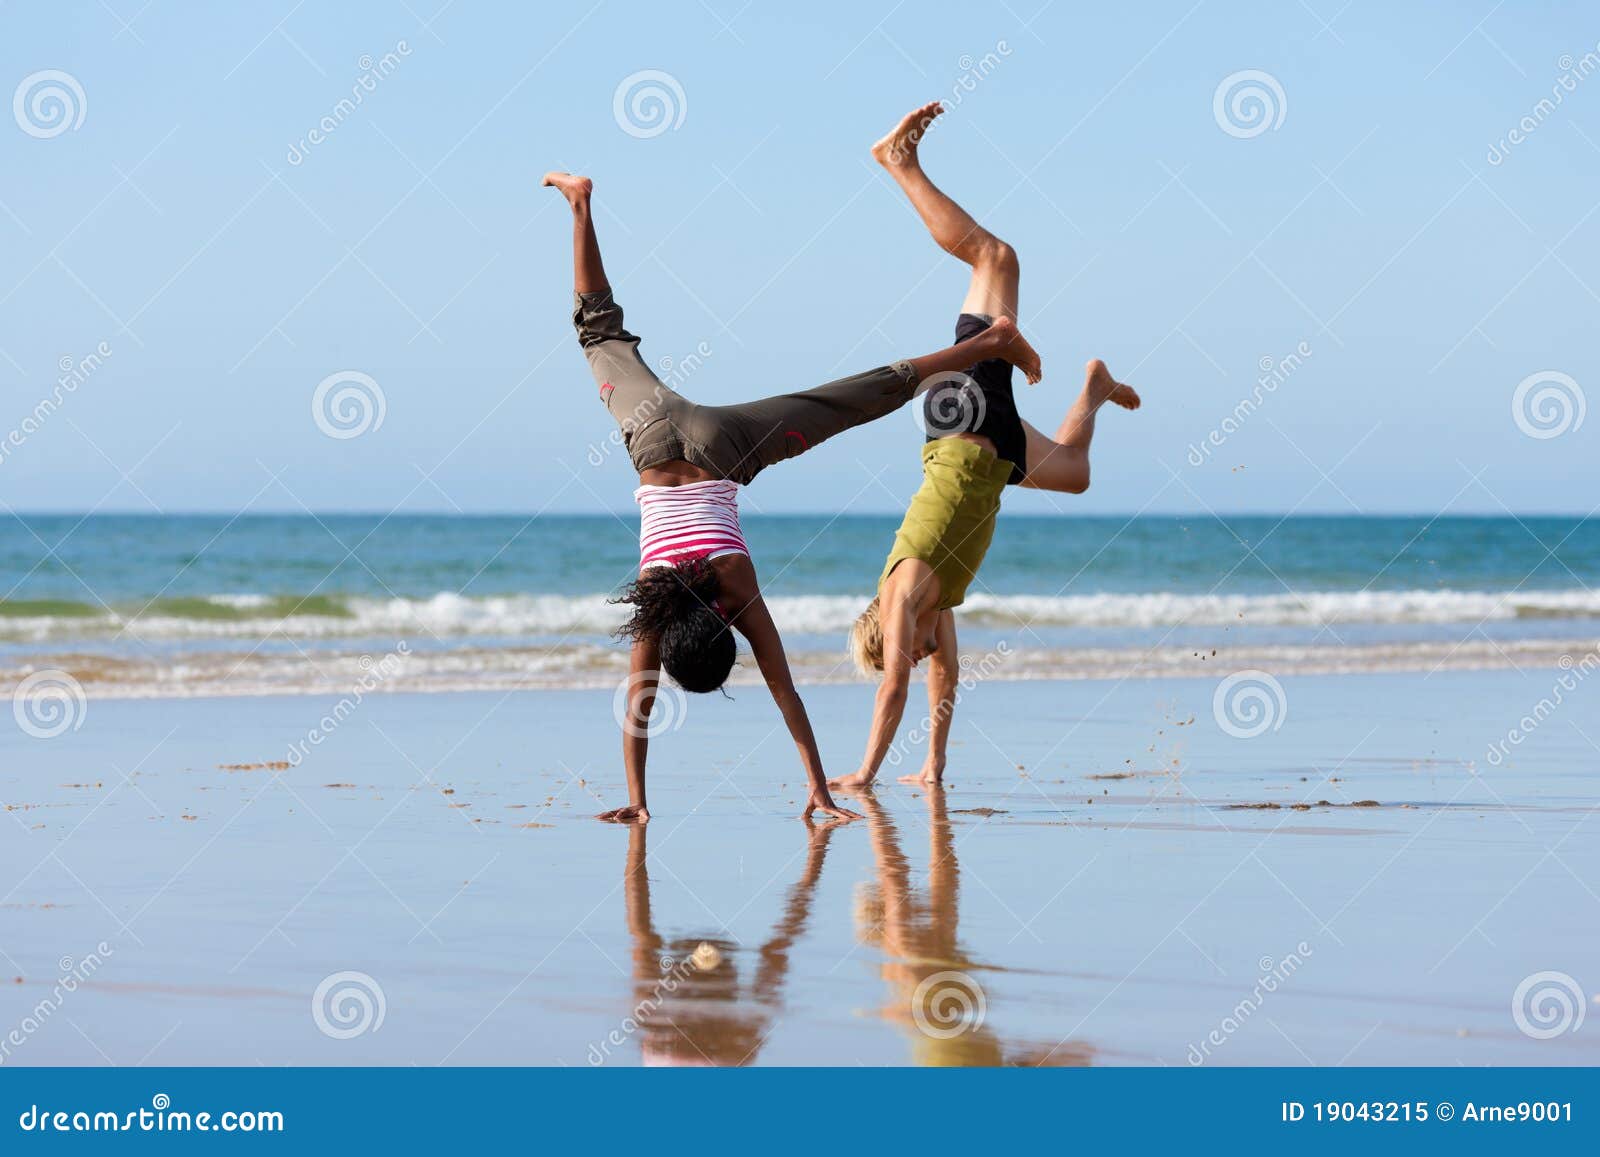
(447, 615)
(334, 668)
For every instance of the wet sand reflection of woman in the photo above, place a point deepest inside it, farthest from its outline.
(690, 1006)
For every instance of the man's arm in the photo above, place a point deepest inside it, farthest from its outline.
(644, 673)
(944, 674)
(755, 623)
(898, 615)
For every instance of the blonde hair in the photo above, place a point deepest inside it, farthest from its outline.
(866, 641)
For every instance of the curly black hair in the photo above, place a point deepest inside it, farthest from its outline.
(676, 606)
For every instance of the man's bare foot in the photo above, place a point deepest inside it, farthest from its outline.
(631, 814)
(1102, 387)
(899, 147)
(856, 779)
(926, 778)
(573, 188)
(1003, 340)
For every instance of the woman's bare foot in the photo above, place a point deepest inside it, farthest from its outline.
(631, 814)
(573, 188)
(926, 778)
(854, 780)
(899, 147)
(1102, 387)
(1003, 340)
(821, 801)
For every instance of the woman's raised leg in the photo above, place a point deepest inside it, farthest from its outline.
(588, 273)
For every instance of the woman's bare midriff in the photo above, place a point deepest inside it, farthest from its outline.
(676, 472)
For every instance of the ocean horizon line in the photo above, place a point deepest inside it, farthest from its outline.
(886, 512)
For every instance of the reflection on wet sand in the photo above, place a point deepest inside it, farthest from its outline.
(690, 1005)
(938, 990)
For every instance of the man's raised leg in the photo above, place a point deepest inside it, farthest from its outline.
(1062, 463)
(995, 270)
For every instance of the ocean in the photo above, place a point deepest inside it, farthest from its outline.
(210, 604)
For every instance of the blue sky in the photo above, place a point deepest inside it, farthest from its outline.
(412, 244)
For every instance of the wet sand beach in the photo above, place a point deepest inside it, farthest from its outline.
(1110, 878)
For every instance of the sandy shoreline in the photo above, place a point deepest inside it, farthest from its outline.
(416, 668)
(1103, 872)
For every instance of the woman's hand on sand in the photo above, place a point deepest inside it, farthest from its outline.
(632, 814)
(821, 801)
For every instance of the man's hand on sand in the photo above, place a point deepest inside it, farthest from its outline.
(821, 801)
(631, 814)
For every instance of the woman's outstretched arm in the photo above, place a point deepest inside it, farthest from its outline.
(644, 673)
(755, 623)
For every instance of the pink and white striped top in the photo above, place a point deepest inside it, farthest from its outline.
(677, 522)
